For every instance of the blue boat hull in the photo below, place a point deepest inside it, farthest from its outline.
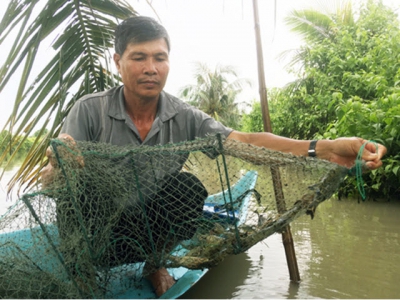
(22, 240)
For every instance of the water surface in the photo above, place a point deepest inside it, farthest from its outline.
(349, 250)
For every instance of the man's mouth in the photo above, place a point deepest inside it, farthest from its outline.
(149, 82)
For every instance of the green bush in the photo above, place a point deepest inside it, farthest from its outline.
(348, 85)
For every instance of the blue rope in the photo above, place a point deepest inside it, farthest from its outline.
(358, 168)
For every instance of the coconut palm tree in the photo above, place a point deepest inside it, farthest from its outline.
(215, 93)
(82, 33)
(315, 25)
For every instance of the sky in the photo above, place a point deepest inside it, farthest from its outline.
(214, 32)
(222, 32)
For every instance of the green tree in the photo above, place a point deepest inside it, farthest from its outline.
(349, 85)
(253, 121)
(24, 145)
(311, 114)
(83, 32)
(215, 93)
(354, 79)
(317, 25)
(40, 132)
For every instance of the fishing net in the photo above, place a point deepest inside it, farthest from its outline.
(112, 215)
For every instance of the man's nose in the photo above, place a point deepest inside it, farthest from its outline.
(150, 67)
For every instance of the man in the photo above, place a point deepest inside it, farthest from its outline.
(141, 113)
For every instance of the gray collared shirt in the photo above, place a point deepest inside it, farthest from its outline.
(102, 117)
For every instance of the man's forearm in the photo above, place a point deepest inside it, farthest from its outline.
(273, 142)
(341, 150)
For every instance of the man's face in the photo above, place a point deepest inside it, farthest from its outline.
(144, 68)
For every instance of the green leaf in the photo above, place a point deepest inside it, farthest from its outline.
(395, 170)
(83, 33)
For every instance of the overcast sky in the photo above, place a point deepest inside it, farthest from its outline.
(214, 32)
(222, 32)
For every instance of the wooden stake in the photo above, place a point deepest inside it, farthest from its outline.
(279, 197)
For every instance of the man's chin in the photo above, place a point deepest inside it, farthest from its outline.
(144, 94)
(150, 96)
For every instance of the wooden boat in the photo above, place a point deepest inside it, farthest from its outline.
(240, 193)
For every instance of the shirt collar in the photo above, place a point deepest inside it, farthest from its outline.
(117, 106)
(166, 108)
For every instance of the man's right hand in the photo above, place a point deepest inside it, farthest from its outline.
(47, 173)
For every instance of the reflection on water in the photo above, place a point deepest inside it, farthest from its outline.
(349, 250)
(222, 280)
(353, 250)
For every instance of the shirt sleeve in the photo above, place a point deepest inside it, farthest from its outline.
(203, 125)
(206, 125)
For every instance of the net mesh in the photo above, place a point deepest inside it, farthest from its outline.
(112, 215)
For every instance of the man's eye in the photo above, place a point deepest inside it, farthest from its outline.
(161, 58)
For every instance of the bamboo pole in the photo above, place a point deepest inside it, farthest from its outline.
(279, 197)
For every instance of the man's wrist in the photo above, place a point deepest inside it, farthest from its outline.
(312, 148)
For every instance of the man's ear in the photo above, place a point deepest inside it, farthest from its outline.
(116, 58)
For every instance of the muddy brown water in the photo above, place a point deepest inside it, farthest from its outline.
(349, 250)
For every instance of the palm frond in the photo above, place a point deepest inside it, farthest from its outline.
(311, 24)
(83, 32)
(295, 85)
(315, 25)
(215, 92)
(297, 58)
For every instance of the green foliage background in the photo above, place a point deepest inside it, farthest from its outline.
(348, 85)
(215, 93)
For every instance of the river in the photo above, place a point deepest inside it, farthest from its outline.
(349, 250)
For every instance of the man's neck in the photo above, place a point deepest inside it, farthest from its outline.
(141, 108)
(142, 112)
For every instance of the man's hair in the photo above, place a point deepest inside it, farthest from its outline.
(137, 30)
